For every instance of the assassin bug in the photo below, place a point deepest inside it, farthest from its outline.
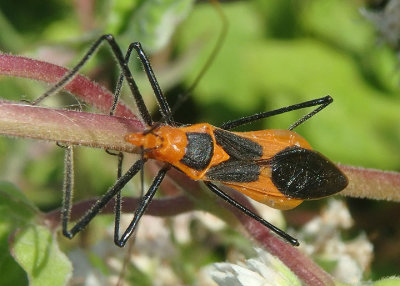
(275, 167)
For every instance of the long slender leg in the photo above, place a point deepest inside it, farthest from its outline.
(144, 203)
(117, 214)
(248, 212)
(124, 69)
(118, 202)
(161, 100)
(117, 207)
(99, 205)
(322, 102)
(68, 187)
(120, 81)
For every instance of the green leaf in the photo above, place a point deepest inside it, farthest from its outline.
(15, 211)
(33, 246)
(36, 250)
(338, 22)
(390, 281)
(120, 11)
(154, 22)
(14, 206)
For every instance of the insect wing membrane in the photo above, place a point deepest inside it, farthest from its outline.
(306, 174)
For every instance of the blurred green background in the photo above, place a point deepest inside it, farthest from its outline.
(276, 53)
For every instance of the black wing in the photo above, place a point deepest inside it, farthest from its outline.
(305, 174)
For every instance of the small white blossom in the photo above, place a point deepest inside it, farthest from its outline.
(323, 234)
(263, 270)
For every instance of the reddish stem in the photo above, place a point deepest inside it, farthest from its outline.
(371, 183)
(305, 269)
(65, 126)
(158, 207)
(89, 91)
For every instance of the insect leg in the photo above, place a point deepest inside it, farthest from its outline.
(322, 102)
(124, 69)
(100, 203)
(118, 203)
(118, 87)
(68, 187)
(248, 212)
(144, 203)
(161, 100)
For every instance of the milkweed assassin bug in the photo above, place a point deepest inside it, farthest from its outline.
(275, 167)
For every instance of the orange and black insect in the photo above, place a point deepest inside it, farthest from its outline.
(274, 167)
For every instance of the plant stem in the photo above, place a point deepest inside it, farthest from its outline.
(67, 127)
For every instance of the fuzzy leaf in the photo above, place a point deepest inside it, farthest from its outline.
(36, 250)
(15, 211)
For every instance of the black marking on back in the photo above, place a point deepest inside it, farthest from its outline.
(234, 171)
(305, 174)
(199, 150)
(237, 147)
